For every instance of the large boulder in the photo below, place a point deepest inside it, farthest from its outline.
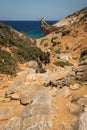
(32, 64)
(13, 124)
(16, 86)
(7, 112)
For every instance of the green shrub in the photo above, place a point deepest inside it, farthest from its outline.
(62, 63)
(45, 44)
(42, 70)
(7, 63)
(66, 32)
(26, 53)
(34, 41)
(58, 51)
(54, 43)
(41, 42)
(53, 38)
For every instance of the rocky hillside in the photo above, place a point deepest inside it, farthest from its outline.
(69, 40)
(55, 99)
(18, 48)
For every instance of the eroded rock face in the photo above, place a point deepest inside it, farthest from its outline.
(81, 70)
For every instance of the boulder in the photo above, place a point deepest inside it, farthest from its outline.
(81, 124)
(42, 97)
(64, 92)
(82, 101)
(13, 124)
(7, 111)
(37, 122)
(15, 86)
(75, 86)
(24, 99)
(32, 64)
(63, 56)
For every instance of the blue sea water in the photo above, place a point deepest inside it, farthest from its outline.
(31, 28)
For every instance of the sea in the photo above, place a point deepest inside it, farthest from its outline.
(31, 28)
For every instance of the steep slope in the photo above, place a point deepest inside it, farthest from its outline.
(17, 47)
(70, 38)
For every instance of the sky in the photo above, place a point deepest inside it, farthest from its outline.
(34, 9)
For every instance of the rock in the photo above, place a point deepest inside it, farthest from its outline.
(74, 109)
(81, 70)
(42, 97)
(14, 97)
(24, 99)
(63, 56)
(36, 123)
(40, 109)
(81, 124)
(31, 77)
(13, 124)
(75, 86)
(7, 111)
(82, 101)
(64, 92)
(85, 109)
(15, 86)
(32, 64)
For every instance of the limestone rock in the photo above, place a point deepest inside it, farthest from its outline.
(13, 124)
(64, 92)
(75, 86)
(32, 64)
(7, 111)
(36, 123)
(24, 99)
(42, 97)
(81, 124)
(74, 109)
(82, 101)
(63, 56)
(15, 86)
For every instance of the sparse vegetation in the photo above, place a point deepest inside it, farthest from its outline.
(7, 63)
(66, 32)
(62, 63)
(22, 50)
(34, 41)
(54, 41)
(45, 44)
(84, 17)
(41, 42)
(53, 38)
(42, 70)
(60, 30)
(58, 51)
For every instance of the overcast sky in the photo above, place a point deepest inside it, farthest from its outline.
(34, 9)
